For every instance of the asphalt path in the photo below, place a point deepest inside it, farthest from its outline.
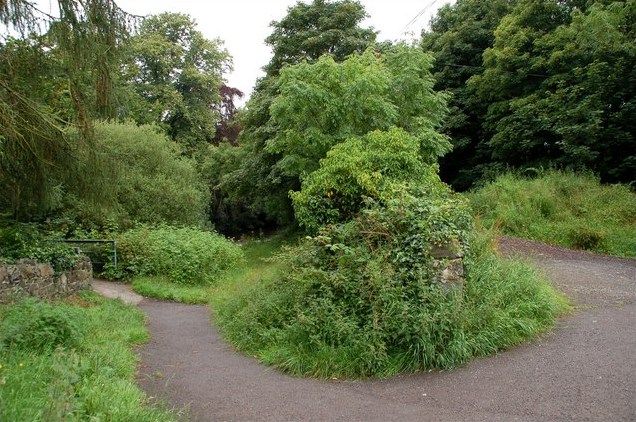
(584, 370)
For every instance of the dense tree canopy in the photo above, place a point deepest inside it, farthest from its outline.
(537, 83)
(307, 32)
(143, 176)
(31, 137)
(322, 104)
(572, 102)
(177, 75)
(526, 84)
(459, 35)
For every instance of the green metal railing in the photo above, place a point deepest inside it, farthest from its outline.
(94, 241)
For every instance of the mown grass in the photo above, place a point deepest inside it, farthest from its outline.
(159, 287)
(561, 208)
(504, 302)
(91, 380)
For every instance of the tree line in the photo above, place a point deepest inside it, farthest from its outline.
(506, 84)
(537, 83)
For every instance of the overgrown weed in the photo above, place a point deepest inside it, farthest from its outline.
(313, 322)
(562, 208)
(90, 379)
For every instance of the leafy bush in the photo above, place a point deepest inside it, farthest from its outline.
(562, 208)
(134, 174)
(21, 240)
(362, 167)
(184, 255)
(32, 325)
(346, 305)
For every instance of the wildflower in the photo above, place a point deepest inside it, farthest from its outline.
(21, 364)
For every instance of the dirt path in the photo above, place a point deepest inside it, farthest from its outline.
(584, 371)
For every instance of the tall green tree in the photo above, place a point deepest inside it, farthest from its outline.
(457, 39)
(177, 73)
(560, 82)
(536, 83)
(322, 104)
(307, 32)
(311, 30)
(31, 134)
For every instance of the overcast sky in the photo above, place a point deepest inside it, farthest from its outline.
(244, 24)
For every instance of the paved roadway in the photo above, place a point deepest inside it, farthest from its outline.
(585, 370)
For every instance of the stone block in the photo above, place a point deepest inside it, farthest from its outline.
(30, 278)
(451, 249)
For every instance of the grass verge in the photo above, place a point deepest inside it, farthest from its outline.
(254, 268)
(50, 372)
(160, 287)
(259, 267)
(561, 208)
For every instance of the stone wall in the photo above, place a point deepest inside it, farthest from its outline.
(449, 264)
(30, 278)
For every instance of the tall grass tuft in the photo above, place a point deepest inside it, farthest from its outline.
(562, 208)
(73, 377)
(363, 321)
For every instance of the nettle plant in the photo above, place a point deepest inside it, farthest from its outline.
(186, 256)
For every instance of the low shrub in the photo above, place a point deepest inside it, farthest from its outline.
(561, 208)
(26, 240)
(32, 325)
(363, 297)
(186, 256)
